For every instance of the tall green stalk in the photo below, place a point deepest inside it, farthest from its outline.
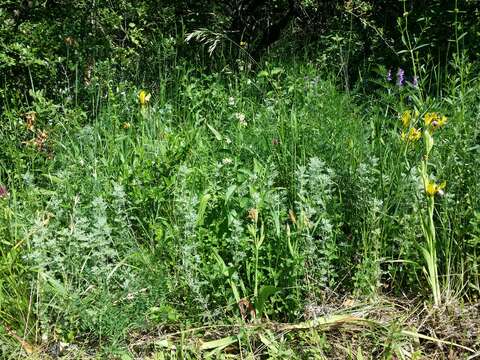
(428, 227)
(432, 121)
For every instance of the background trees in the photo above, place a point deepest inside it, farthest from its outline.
(49, 40)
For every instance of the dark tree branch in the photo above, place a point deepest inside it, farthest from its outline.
(250, 24)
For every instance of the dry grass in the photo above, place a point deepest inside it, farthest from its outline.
(348, 329)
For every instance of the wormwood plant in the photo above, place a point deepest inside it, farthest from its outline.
(317, 223)
(368, 227)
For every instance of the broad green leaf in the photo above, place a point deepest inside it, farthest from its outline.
(215, 132)
(219, 344)
(201, 209)
(263, 73)
(263, 295)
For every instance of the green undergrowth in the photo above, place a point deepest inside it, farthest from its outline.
(225, 200)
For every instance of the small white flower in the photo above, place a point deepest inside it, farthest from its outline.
(231, 101)
(227, 161)
(228, 141)
(241, 119)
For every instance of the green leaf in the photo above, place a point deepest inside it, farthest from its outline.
(276, 71)
(428, 141)
(215, 132)
(263, 73)
(220, 262)
(264, 294)
(228, 194)
(219, 344)
(201, 209)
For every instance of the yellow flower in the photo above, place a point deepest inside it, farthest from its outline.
(412, 135)
(126, 125)
(430, 118)
(432, 189)
(442, 120)
(406, 118)
(144, 97)
(435, 120)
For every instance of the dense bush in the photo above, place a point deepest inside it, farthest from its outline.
(63, 47)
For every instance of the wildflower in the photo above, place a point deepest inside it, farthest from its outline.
(253, 214)
(30, 118)
(228, 141)
(389, 75)
(441, 121)
(87, 74)
(241, 119)
(39, 141)
(306, 221)
(406, 118)
(243, 44)
(126, 125)
(144, 97)
(412, 135)
(231, 101)
(432, 188)
(400, 77)
(435, 120)
(226, 161)
(429, 118)
(3, 191)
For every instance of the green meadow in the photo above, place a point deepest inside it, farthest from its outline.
(194, 199)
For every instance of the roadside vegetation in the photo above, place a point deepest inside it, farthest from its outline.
(201, 196)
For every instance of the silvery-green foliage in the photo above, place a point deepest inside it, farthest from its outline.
(237, 241)
(79, 239)
(79, 243)
(315, 207)
(368, 209)
(186, 203)
(315, 183)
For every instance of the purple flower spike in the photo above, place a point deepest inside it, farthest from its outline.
(389, 75)
(400, 77)
(3, 191)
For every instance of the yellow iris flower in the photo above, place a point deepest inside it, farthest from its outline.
(441, 122)
(434, 120)
(143, 97)
(432, 188)
(429, 118)
(406, 118)
(412, 135)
